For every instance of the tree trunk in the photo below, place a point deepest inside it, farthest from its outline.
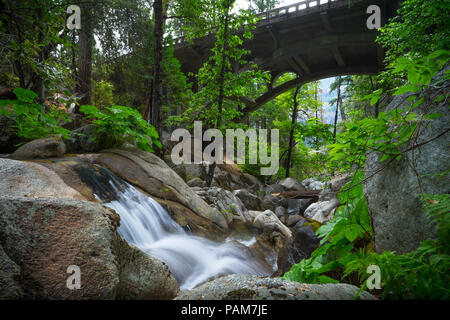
(85, 45)
(221, 83)
(336, 114)
(222, 67)
(291, 134)
(156, 102)
(317, 108)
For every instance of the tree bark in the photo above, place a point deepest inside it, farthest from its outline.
(291, 134)
(222, 67)
(85, 45)
(336, 114)
(156, 101)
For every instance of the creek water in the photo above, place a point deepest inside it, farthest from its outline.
(145, 224)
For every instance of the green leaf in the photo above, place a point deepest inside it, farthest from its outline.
(406, 88)
(353, 231)
(413, 76)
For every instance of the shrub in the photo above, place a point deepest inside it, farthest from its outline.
(31, 120)
(120, 124)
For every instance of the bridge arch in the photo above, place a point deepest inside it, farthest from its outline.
(315, 39)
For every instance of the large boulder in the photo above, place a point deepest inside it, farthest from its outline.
(142, 276)
(245, 287)
(47, 226)
(9, 275)
(49, 147)
(399, 221)
(45, 236)
(33, 180)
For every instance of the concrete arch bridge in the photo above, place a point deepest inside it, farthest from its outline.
(315, 39)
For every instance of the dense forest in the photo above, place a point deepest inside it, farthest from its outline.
(81, 77)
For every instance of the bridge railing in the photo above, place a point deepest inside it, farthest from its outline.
(270, 16)
(291, 9)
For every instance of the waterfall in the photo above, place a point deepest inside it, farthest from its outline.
(145, 224)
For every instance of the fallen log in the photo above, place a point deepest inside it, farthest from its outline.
(298, 194)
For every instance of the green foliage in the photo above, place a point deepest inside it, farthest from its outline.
(346, 249)
(349, 230)
(259, 6)
(391, 131)
(316, 133)
(102, 93)
(421, 27)
(417, 46)
(420, 274)
(122, 124)
(216, 77)
(31, 119)
(30, 31)
(419, 73)
(387, 134)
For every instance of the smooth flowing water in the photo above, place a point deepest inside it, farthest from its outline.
(147, 225)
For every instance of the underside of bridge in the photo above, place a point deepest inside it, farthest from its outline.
(318, 41)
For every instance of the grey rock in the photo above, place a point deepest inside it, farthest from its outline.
(143, 277)
(305, 238)
(245, 287)
(280, 212)
(225, 202)
(85, 139)
(44, 236)
(28, 179)
(250, 201)
(311, 184)
(291, 184)
(327, 195)
(399, 221)
(321, 211)
(9, 276)
(268, 222)
(304, 204)
(196, 182)
(196, 170)
(337, 183)
(293, 219)
(40, 149)
(274, 188)
(153, 175)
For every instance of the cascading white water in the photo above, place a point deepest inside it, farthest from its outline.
(147, 225)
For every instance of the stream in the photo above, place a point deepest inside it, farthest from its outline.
(145, 224)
